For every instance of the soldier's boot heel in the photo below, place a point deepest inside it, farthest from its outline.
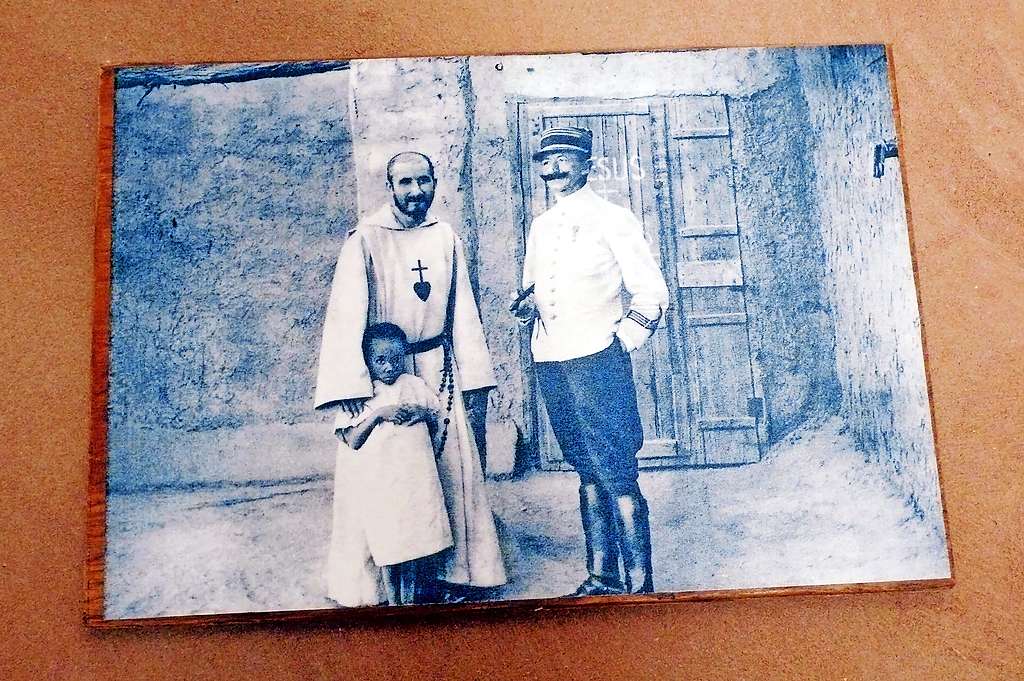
(633, 519)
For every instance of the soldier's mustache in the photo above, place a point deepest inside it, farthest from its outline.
(554, 176)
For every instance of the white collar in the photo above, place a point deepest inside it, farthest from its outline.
(584, 193)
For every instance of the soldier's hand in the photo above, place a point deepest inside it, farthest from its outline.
(631, 335)
(525, 310)
(354, 406)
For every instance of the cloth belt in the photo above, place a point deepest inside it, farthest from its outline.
(427, 344)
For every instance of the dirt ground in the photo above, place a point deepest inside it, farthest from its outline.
(811, 512)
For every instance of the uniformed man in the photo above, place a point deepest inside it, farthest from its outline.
(580, 254)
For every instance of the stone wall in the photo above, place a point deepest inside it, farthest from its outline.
(230, 204)
(879, 359)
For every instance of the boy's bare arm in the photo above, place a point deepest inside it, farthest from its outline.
(356, 435)
(409, 414)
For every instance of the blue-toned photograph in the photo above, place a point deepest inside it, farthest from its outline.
(447, 330)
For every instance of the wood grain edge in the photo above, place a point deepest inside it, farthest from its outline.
(891, 65)
(96, 499)
(530, 606)
(334, 56)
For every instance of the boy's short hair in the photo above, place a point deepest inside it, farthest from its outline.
(383, 331)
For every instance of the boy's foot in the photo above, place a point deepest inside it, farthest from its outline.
(463, 593)
(592, 586)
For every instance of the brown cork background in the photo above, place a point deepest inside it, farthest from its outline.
(959, 70)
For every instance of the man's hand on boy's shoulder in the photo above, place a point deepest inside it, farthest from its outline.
(354, 406)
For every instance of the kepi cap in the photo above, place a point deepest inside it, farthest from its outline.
(564, 139)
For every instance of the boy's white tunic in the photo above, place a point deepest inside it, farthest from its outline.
(394, 481)
(379, 268)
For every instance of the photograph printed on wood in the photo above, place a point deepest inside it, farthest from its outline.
(407, 335)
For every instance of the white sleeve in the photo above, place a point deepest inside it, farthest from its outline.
(471, 355)
(342, 373)
(641, 274)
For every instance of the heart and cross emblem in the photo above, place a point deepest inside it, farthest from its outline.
(421, 288)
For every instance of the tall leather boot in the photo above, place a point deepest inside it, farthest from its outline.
(599, 532)
(634, 527)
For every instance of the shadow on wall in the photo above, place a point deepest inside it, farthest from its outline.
(792, 319)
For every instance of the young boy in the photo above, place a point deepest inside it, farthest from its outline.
(393, 473)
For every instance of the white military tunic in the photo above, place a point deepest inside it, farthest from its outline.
(580, 254)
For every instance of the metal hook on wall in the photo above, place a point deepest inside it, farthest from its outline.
(884, 150)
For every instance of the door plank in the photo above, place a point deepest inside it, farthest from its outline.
(659, 348)
(710, 275)
(522, 199)
(579, 109)
(658, 449)
(724, 370)
(731, 446)
(658, 163)
(709, 230)
(706, 181)
(717, 319)
(644, 360)
(727, 423)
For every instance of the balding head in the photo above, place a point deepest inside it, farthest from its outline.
(410, 177)
(413, 157)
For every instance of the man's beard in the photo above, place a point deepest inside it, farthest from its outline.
(422, 205)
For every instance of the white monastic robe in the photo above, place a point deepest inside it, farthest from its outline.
(382, 273)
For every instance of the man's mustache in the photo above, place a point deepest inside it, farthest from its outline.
(554, 176)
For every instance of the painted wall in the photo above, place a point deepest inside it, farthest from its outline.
(879, 358)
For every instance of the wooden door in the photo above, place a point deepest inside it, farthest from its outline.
(624, 173)
(725, 394)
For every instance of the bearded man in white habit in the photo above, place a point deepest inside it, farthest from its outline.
(403, 265)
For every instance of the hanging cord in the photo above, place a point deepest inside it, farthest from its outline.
(447, 384)
(447, 343)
